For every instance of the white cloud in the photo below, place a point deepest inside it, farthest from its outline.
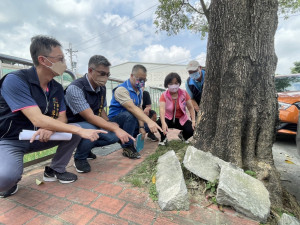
(160, 54)
(201, 58)
(287, 44)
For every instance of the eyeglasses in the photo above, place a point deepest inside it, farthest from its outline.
(141, 79)
(59, 58)
(102, 73)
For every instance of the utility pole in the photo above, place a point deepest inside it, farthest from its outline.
(71, 52)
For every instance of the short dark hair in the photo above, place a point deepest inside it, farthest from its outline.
(97, 60)
(170, 77)
(41, 45)
(151, 113)
(137, 67)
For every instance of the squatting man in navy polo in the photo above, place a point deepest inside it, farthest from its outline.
(31, 99)
(85, 100)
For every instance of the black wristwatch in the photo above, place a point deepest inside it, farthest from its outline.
(142, 127)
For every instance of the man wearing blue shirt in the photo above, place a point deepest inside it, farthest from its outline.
(30, 99)
(194, 84)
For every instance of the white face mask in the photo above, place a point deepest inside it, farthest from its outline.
(173, 87)
(100, 81)
(58, 67)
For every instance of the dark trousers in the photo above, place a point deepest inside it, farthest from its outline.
(187, 129)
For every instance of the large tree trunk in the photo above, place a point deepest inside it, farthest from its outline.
(238, 110)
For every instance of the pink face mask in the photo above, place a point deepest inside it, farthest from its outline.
(173, 87)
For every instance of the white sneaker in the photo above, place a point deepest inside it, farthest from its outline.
(164, 142)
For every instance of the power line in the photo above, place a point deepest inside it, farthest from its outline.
(71, 52)
(98, 35)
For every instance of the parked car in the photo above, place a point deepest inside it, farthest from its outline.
(288, 89)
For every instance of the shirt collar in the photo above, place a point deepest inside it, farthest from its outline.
(97, 89)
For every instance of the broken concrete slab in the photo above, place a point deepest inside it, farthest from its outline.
(204, 164)
(170, 184)
(244, 193)
(286, 219)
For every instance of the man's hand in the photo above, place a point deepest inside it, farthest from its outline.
(90, 134)
(143, 132)
(44, 135)
(153, 126)
(123, 136)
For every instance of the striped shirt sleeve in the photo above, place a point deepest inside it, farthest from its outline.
(75, 99)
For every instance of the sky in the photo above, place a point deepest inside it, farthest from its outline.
(120, 30)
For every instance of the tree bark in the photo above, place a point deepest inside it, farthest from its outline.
(238, 110)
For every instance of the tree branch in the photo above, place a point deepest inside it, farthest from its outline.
(205, 10)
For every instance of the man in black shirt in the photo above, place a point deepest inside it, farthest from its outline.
(151, 113)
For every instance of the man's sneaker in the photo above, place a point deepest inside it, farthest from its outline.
(131, 153)
(91, 156)
(82, 165)
(10, 192)
(163, 142)
(52, 175)
(152, 136)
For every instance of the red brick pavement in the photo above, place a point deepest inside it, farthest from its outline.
(99, 197)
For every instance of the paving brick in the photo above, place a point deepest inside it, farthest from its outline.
(6, 205)
(95, 175)
(41, 219)
(198, 214)
(227, 219)
(13, 216)
(78, 214)
(29, 197)
(172, 217)
(53, 206)
(88, 184)
(134, 195)
(137, 214)
(109, 177)
(104, 219)
(109, 189)
(84, 197)
(57, 189)
(107, 204)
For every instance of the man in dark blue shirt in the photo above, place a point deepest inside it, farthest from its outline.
(30, 99)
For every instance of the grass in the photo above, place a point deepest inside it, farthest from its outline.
(144, 174)
(36, 155)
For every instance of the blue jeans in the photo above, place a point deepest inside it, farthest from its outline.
(129, 123)
(85, 145)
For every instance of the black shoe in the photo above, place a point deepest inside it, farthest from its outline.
(10, 192)
(131, 153)
(82, 165)
(91, 156)
(152, 136)
(180, 135)
(52, 175)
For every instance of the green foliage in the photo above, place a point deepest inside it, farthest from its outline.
(152, 192)
(212, 186)
(175, 15)
(142, 175)
(251, 173)
(296, 69)
(288, 7)
(36, 155)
